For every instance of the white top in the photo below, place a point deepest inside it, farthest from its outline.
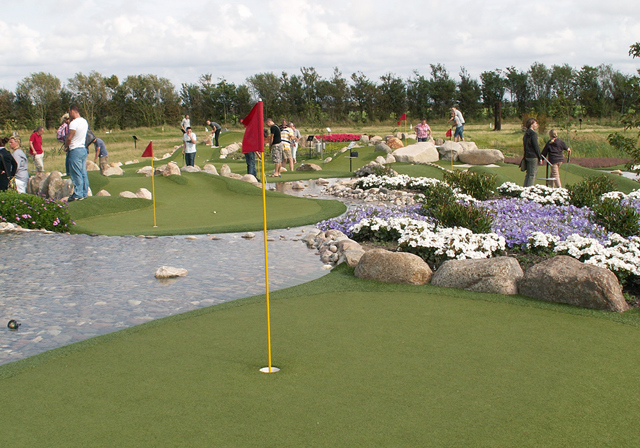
(459, 116)
(191, 147)
(81, 126)
(185, 123)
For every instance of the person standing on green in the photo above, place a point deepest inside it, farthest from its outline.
(532, 155)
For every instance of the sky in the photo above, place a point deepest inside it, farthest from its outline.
(232, 40)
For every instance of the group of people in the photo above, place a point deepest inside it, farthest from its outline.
(76, 138)
(284, 141)
(189, 139)
(552, 153)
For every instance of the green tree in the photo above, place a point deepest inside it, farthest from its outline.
(39, 97)
(517, 83)
(630, 121)
(149, 101)
(392, 97)
(7, 109)
(442, 90)
(267, 86)
(590, 93)
(469, 95)
(418, 96)
(89, 92)
(540, 83)
(493, 88)
(363, 93)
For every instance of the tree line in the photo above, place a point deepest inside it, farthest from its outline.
(559, 91)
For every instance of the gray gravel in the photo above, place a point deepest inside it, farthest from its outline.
(66, 288)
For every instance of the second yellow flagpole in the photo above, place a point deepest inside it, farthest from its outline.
(153, 189)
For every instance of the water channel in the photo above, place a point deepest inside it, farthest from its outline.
(66, 288)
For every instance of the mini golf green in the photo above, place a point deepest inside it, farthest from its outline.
(193, 203)
(363, 364)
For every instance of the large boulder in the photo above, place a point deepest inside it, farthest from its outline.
(169, 169)
(34, 186)
(468, 146)
(566, 280)
(225, 170)
(146, 170)
(113, 170)
(143, 193)
(128, 194)
(498, 275)
(449, 150)
(53, 185)
(191, 169)
(421, 152)
(170, 272)
(394, 143)
(92, 166)
(309, 167)
(210, 168)
(383, 147)
(481, 156)
(393, 267)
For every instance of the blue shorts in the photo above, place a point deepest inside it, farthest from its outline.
(458, 132)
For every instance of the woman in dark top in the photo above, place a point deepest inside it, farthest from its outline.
(8, 165)
(553, 152)
(532, 154)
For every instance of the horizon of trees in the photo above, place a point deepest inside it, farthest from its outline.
(560, 91)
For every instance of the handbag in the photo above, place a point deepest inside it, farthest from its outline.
(523, 165)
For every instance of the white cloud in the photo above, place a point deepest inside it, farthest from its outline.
(183, 40)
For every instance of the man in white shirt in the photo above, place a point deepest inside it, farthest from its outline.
(185, 123)
(77, 154)
(189, 147)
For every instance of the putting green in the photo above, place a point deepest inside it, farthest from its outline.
(363, 364)
(194, 203)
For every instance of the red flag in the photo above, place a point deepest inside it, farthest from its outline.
(448, 134)
(149, 151)
(403, 117)
(398, 122)
(253, 140)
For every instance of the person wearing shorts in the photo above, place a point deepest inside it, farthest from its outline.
(275, 143)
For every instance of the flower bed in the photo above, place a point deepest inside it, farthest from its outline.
(337, 138)
(34, 212)
(535, 220)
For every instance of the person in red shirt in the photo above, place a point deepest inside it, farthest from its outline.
(35, 148)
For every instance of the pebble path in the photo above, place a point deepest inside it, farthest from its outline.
(66, 288)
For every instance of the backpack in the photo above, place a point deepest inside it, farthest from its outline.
(90, 138)
(63, 130)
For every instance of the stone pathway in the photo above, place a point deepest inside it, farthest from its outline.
(66, 288)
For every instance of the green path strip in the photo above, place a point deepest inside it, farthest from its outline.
(363, 364)
(195, 203)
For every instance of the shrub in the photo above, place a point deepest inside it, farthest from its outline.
(34, 212)
(477, 185)
(617, 218)
(436, 195)
(461, 214)
(587, 193)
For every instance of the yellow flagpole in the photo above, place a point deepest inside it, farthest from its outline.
(153, 188)
(270, 368)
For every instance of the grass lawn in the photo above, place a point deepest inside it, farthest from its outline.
(363, 364)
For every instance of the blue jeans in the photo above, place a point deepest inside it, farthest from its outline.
(532, 171)
(190, 158)
(420, 139)
(459, 131)
(250, 158)
(78, 172)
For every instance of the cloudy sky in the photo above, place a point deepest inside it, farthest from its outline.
(181, 40)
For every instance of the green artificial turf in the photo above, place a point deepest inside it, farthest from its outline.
(364, 364)
(194, 203)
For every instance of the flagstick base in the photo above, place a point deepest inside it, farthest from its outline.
(266, 370)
